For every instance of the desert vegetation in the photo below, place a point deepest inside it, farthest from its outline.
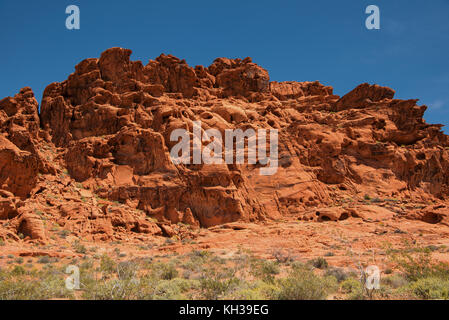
(202, 274)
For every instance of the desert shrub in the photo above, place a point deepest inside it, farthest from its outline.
(395, 281)
(217, 260)
(164, 271)
(107, 265)
(128, 289)
(430, 288)
(257, 290)
(79, 248)
(64, 233)
(18, 270)
(351, 285)
(118, 282)
(114, 289)
(18, 286)
(127, 270)
(174, 289)
(187, 274)
(417, 264)
(19, 260)
(282, 256)
(216, 283)
(19, 290)
(388, 271)
(44, 260)
(197, 260)
(303, 284)
(356, 295)
(214, 288)
(200, 253)
(338, 273)
(194, 265)
(353, 288)
(433, 248)
(265, 270)
(319, 263)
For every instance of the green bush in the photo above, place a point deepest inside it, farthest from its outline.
(395, 281)
(214, 288)
(266, 270)
(79, 248)
(319, 263)
(417, 264)
(17, 286)
(114, 289)
(257, 290)
(18, 270)
(356, 295)
(127, 270)
(338, 273)
(431, 288)
(173, 289)
(217, 282)
(107, 265)
(200, 253)
(351, 285)
(164, 271)
(303, 284)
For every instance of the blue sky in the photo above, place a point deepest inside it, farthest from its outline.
(294, 40)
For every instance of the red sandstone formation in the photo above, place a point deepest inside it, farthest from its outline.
(96, 159)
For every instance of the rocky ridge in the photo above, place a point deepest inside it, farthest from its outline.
(95, 160)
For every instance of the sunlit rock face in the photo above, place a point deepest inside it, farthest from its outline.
(103, 137)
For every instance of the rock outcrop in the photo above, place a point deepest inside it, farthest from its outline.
(96, 159)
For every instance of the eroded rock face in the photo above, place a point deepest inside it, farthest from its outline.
(292, 90)
(19, 152)
(97, 160)
(18, 169)
(363, 96)
(240, 78)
